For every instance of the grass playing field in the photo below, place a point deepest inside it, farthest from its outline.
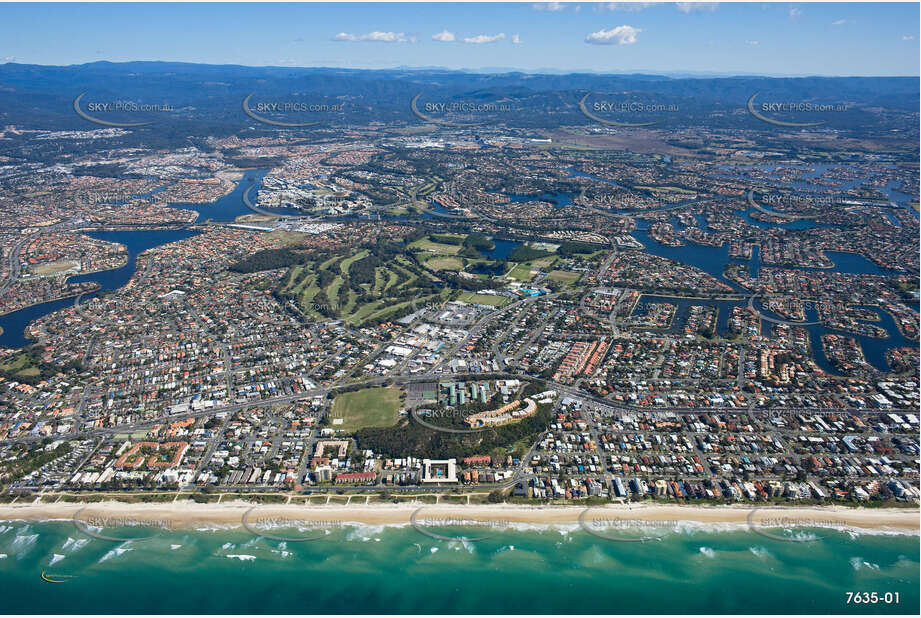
(564, 276)
(427, 245)
(53, 268)
(370, 407)
(521, 272)
(483, 299)
(445, 263)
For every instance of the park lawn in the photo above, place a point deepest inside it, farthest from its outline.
(435, 247)
(369, 407)
(457, 237)
(53, 268)
(483, 299)
(521, 272)
(424, 498)
(286, 238)
(20, 364)
(15, 362)
(445, 263)
(564, 276)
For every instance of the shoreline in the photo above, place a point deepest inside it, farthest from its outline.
(231, 514)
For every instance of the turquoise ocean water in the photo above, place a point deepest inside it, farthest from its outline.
(365, 569)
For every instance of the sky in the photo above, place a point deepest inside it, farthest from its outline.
(728, 38)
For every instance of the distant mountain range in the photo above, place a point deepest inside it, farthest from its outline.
(206, 99)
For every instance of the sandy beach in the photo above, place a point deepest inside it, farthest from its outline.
(192, 515)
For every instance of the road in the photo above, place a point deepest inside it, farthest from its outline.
(428, 377)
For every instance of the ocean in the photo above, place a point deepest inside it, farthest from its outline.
(529, 570)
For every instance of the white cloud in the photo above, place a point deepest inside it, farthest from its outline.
(381, 37)
(9, 58)
(555, 7)
(626, 7)
(516, 39)
(907, 37)
(752, 42)
(484, 38)
(443, 36)
(795, 13)
(621, 35)
(690, 7)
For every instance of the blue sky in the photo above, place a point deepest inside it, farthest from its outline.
(761, 38)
